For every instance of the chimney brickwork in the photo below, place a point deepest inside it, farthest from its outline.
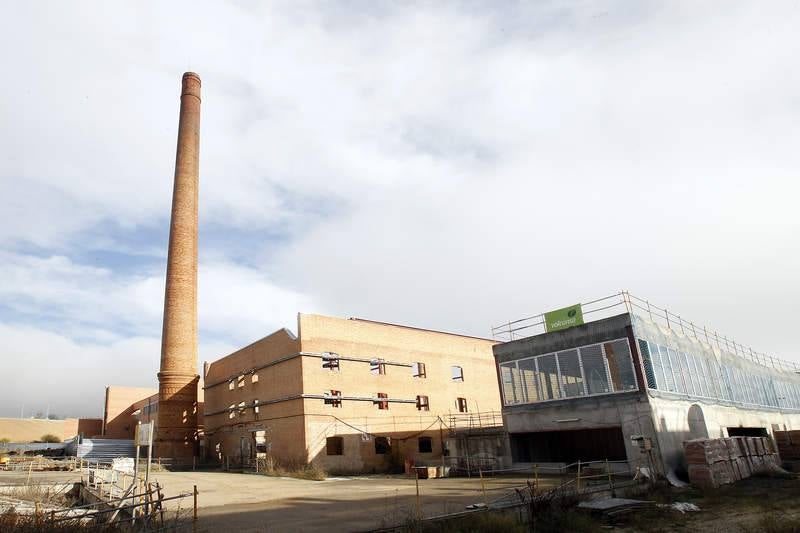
(177, 381)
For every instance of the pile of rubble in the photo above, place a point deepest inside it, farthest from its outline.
(715, 462)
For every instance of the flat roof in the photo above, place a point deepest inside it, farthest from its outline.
(493, 341)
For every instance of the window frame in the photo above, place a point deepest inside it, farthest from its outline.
(382, 401)
(423, 405)
(377, 367)
(523, 397)
(330, 361)
(461, 405)
(333, 398)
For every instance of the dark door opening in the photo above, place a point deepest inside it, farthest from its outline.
(748, 432)
(568, 446)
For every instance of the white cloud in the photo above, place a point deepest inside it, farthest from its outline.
(442, 165)
(70, 377)
(71, 329)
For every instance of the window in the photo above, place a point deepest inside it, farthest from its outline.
(461, 403)
(232, 410)
(594, 368)
(334, 398)
(382, 445)
(425, 445)
(262, 446)
(548, 377)
(231, 385)
(377, 367)
(512, 388)
(254, 378)
(334, 446)
(256, 408)
(571, 374)
(330, 361)
(676, 370)
(418, 370)
(422, 403)
(457, 373)
(241, 381)
(620, 365)
(381, 401)
(649, 374)
(527, 381)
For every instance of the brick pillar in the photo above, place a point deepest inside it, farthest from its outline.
(177, 380)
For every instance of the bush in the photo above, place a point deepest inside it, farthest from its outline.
(5, 440)
(49, 438)
(269, 466)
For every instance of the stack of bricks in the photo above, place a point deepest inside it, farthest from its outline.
(715, 462)
(788, 444)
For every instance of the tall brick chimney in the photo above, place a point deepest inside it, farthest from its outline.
(177, 380)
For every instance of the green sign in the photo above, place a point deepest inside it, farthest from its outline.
(564, 318)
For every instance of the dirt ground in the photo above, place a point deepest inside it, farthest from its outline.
(242, 502)
(259, 503)
(769, 505)
(247, 502)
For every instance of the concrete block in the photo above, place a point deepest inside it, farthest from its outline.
(744, 467)
(734, 451)
(702, 477)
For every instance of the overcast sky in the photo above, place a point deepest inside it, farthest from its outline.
(443, 165)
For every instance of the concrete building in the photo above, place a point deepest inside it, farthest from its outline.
(352, 395)
(634, 386)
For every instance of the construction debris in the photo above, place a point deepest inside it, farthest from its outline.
(684, 507)
(612, 507)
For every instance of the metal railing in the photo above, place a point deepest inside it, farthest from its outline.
(537, 491)
(38, 463)
(475, 421)
(625, 302)
(128, 496)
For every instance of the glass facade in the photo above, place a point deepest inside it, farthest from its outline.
(701, 376)
(590, 370)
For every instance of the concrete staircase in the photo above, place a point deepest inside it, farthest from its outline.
(105, 450)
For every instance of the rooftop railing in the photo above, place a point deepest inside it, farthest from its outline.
(625, 302)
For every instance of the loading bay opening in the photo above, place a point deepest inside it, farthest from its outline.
(747, 432)
(568, 446)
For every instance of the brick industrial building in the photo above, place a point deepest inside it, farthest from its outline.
(352, 395)
(127, 406)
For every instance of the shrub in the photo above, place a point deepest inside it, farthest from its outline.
(49, 438)
(269, 466)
